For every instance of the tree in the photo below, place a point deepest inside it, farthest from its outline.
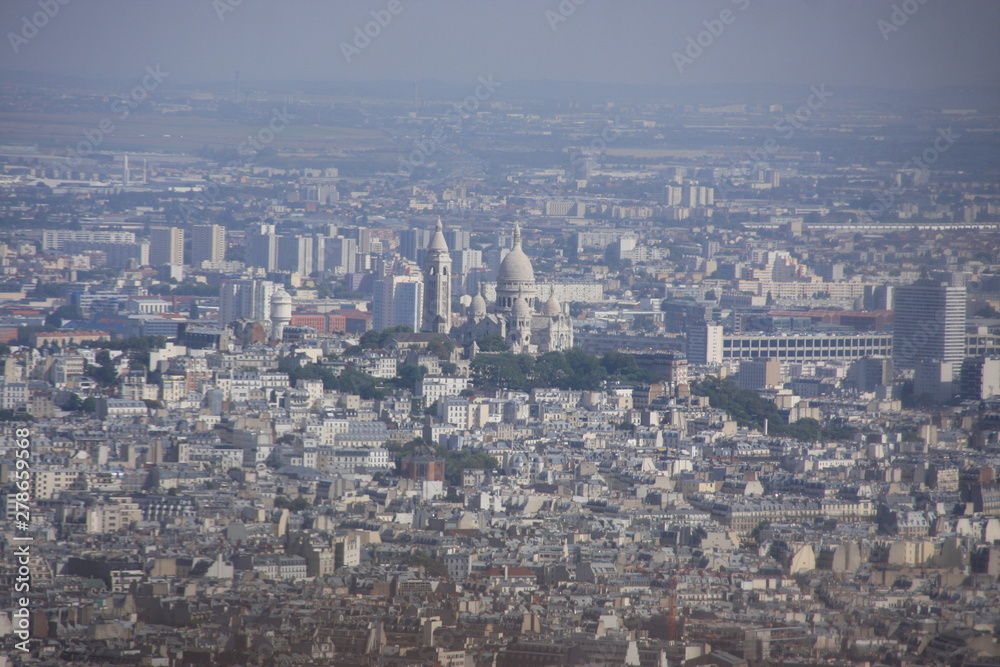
(807, 430)
(441, 348)
(624, 367)
(449, 368)
(105, 374)
(492, 343)
(370, 340)
(504, 371)
(985, 310)
(587, 370)
(61, 314)
(408, 375)
(11, 416)
(745, 406)
(421, 558)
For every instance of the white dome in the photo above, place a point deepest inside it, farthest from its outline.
(520, 309)
(478, 306)
(552, 307)
(280, 296)
(516, 267)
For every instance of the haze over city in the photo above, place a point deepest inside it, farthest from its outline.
(768, 42)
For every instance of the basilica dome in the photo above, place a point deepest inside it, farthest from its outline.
(516, 267)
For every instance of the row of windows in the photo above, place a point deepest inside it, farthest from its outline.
(807, 354)
(785, 343)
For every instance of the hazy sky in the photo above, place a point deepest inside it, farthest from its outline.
(837, 42)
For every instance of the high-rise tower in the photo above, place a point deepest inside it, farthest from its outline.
(929, 324)
(437, 284)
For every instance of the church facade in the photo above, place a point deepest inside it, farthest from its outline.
(515, 316)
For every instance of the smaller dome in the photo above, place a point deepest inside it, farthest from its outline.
(281, 296)
(552, 307)
(520, 309)
(478, 305)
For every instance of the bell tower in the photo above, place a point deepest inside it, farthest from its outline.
(437, 284)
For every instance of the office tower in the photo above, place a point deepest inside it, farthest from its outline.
(341, 255)
(878, 297)
(412, 242)
(397, 300)
(245, 300)
(362, 236)
(437, 284)
(295, 253)
(980, 378)
(704, 343)
(319, 253)
(759, 374)
(464, 263)
(262, 246)
(208, 244)
(928, 323)
(672, 195)
(870, 373)
(409, 304)
(166, 246)
(458, 239)
(697, 195)
(934, 380)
